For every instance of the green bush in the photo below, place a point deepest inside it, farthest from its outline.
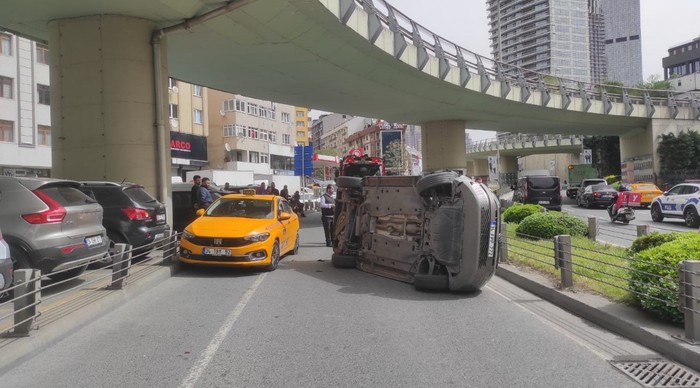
(654, 275)
(550, 224)
(651, 240)
(517, 212)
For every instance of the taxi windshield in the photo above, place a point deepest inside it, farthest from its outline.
(241, 207)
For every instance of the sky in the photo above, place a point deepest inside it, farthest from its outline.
(665, 23)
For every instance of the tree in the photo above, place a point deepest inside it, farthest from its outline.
(679, 156)
(606, 153)
(396, 157)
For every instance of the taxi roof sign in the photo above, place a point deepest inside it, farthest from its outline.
(248, 191)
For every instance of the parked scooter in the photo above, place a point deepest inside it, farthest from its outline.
(621, 208)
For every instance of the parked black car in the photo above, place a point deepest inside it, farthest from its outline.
(131, 215)
(596, 196)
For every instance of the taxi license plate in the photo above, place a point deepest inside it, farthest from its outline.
(160, 218)
(543, 202)
(216, 252)
(93, 241)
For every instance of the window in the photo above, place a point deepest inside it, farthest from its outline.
(240, 130)
(253, 110)
(273, 137)
(254, 157)
(44, 96)
(265, 158)
(229, 105)
(6, 44)
(7, 131)
(273, 114)
(263, 112)
(634, 37)
(172, 83)
(286, 139)
(172, 111)
(285, 117)
(253, 132)
(300, 114)
(264, 135)
(198, 116)
(300, 134)
(623, 39)
(196, 90)
(300, 124)
(5, 87)
(42, 54)
(229, 130)
(44, 134)
(240, 106)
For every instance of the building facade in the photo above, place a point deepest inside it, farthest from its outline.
(301, 125)
(25, 111)
(623, 44)
(189, 127)
(323, 125)
(682, 59)
(247, 134)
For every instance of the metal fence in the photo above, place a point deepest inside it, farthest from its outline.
(29, 301)
(574, 262)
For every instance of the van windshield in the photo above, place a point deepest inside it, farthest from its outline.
(543, 182)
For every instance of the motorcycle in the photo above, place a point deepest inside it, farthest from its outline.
(621, 208)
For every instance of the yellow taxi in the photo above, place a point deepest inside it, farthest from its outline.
(241, 230)
(649, 191)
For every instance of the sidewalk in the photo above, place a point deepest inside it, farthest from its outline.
(631, 323)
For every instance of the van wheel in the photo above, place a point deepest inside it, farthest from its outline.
(349, 182)
(434, 180)
(425, 282)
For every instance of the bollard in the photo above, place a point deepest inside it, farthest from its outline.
(562, 260)
(593, 228)
(503, 257)
(26, 306)
(689, 290)
(167, 246)
(171, 250)
(120, 266)
(642, 230)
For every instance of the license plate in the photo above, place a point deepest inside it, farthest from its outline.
(159, 236)
(216, 252)
(160, 218)
(492, 239)
(606, 196)
(543, 202)
(93, 241)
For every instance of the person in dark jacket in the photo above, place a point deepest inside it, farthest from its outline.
(197, 180)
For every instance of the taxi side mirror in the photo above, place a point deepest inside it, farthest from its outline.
(285, 216)
(200, 212)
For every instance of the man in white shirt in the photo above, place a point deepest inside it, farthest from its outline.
(327, 214)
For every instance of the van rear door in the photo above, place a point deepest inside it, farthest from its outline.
(544, 190)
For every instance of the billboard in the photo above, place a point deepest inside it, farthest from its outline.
(388, 136)
(187, 146)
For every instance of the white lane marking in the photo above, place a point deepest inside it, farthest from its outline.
(208, 354)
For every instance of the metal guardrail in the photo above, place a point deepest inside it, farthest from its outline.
(576, 262)
(520, 140)
(22, 304)
(383, 15)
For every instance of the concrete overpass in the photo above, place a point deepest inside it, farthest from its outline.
(110, 60)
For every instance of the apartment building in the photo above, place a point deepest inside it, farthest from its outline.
(25, 112)
(323, 125)
(682, 60)
(247, 134)
(301, 125)
(623, 44)
(189, 128)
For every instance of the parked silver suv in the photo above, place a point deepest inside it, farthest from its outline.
(51, 225)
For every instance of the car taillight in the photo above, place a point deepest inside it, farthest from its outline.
(135, 213)
(53, 215)
(596, 194)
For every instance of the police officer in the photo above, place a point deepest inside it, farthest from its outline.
(327, 214)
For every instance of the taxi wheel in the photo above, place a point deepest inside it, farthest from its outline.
(275, 257)
(296, 246)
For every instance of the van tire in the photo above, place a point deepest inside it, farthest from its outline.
(349, 182)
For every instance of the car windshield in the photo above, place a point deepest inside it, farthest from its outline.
(645, 187)
(241, 207)
(602, 188)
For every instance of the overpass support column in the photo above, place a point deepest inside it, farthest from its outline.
(103, 100)
(509, 170)
(444, 145)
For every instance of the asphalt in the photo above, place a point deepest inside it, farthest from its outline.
(664, 338)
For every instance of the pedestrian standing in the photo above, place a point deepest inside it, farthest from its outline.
(204, 198)
(261, 189)
(285, 192)
(194, 192)
(328, 214)
(273, 190)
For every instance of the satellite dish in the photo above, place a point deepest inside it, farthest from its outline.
(222, 112)
(175, 89)
(227, 147)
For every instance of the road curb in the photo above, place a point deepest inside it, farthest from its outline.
(14, 351)
(615, 321)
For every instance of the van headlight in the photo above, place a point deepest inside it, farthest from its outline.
(257, 237)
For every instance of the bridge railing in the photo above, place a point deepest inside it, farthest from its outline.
(523, 140)
(383, 15)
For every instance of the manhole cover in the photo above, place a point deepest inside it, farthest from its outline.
(659, 374)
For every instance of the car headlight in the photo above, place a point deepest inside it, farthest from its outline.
(187, 235)
(257, 237)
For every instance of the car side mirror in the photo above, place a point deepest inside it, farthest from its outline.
(200, 212)
(284, 216)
